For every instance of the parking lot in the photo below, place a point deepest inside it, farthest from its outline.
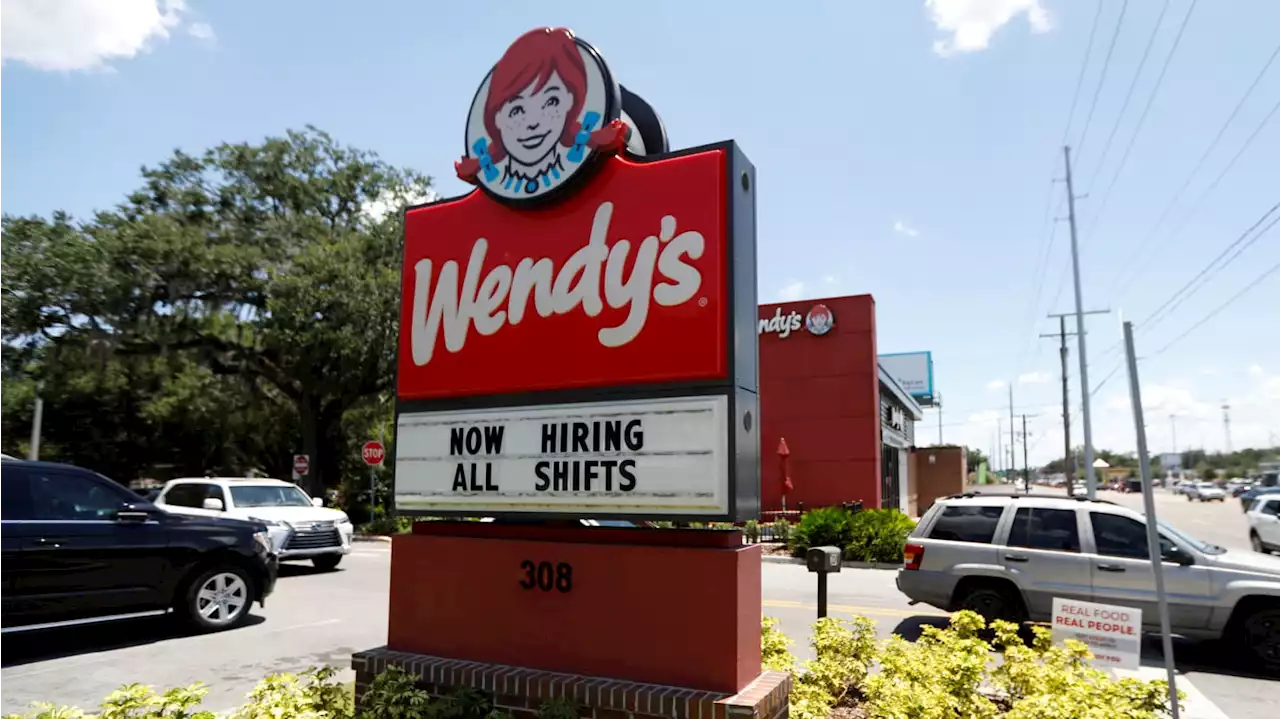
(322, 617)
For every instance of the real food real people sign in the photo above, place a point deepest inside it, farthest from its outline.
(578, 334)
(1113, 633)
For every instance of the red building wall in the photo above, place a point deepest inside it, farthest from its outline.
(822, 393)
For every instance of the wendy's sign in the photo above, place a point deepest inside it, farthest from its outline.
(597, 283)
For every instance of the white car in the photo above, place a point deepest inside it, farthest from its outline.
(1264, 523)
(299, 526)
(1206, 492)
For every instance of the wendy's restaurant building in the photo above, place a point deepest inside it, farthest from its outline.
(847, 425)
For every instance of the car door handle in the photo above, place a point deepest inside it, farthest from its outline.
(1111, 567)
(1015, 558)
(50, 542)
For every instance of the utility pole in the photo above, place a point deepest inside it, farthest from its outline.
(1226, 424)
(1026, 467)
(939, 401)
(999, 443)
(1091, 479)
(1173, 424)
(1013, 452)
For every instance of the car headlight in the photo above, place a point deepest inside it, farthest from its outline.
(269, 522)
(263, 542)
(343, 518)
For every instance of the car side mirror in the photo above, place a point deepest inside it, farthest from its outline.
(317, 502)
(212, 503)
(1173, 553)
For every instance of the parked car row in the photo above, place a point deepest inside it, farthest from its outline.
(79, 548)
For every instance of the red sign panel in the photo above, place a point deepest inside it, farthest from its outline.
(623, 283)
(301, 463)
(373, 453)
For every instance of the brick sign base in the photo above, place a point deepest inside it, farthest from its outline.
(522, 691)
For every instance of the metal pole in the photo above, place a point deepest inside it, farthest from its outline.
(1149, 505)
(999, 455)
(1013, 444)
(1091, 479)
(939, 418)
(33, 453)
(822, 595)
(1173, 422)
(1026, 467)
(1066, 409)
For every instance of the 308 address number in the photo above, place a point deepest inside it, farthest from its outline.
(547, 576)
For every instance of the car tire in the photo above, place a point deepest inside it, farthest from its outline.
(326, 562)
(218, 598)
(1256, 542)
(992, 602)
(1258, 634)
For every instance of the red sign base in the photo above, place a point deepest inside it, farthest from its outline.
(679, 608)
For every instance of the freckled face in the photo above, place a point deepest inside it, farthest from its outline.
(532, 122)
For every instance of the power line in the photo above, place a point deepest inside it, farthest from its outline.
(1128, 96)
(1172, 298)
(1128, 265)
(1257, 281)
(1084, 65)
(1102, 79)
(1137, 130)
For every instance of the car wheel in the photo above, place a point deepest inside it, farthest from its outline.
(1260, 633)
(1256, 542)
(992, 603)
(326, 562)
(219, 598)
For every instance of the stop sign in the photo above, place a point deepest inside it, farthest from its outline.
(301, 464)
(373, 452)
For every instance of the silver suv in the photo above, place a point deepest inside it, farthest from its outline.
(1007, 557)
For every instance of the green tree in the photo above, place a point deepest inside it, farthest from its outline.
(975, 458)
(275, 263)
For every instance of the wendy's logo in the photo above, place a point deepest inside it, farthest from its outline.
(547, 112)
(819, 321)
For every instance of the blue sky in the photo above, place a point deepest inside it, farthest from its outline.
(906, 149)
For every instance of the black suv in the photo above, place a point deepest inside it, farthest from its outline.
(80, 548)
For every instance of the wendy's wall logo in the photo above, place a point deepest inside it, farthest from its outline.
(819, 321)
(546, 114)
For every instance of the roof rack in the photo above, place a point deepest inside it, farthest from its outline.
(1021, 495)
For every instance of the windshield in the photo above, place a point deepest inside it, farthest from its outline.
(1188, 539)
(1207, 485)
(269, 496)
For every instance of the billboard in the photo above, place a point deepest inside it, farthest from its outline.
(536, 375)
(1171, 461)
(912, 370)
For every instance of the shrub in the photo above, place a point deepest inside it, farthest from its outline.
(878, 535)
(752, 530)
(313, 694)
(394, 694)
(822, 527)
(781, 530)
(775, 647)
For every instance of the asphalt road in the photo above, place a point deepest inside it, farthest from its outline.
(321, 618)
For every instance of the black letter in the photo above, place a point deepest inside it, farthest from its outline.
(493, 439)
(459, 478)
(577, 475)
(613, 436)
(595, 436)
(527, 582)
(580, 436)
(540, 469)
(625, 468)
(548, 438)
(455, 441)
(564, 437)
(608, 465)
(489, 486)
(590, 471)
(473, 433)
(559, 476)
(475, 477)
(635, 436)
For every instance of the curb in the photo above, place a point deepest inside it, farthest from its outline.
(847, 563)
(370, 538)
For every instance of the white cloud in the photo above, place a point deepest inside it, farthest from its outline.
(904, 229)
(203, 32)
(791, 292)
(1033, 378)
(972, 23)
(1209, 371)
(830, 279)
(69, 35)
(1256, 370)
(995, 384)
